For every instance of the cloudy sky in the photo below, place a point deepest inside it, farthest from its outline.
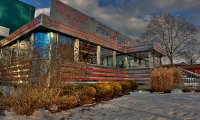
(128, 16)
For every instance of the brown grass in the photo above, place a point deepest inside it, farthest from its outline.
(28, 98)
(177, 76)
(162, 79)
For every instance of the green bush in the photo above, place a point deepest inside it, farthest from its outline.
(134, 85)
(117, 89)
(103, 90)
(126, 87)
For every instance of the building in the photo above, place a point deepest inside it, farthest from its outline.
(109, 55)
(13, 15)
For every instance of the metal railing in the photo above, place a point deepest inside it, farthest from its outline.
(190, 78)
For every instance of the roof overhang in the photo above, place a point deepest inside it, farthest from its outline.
(50, 24)
(21, 31)
(155, 47)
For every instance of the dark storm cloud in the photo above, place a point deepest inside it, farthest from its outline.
(132, 16)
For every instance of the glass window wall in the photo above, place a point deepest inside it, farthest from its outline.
(120, 60)
(65, 48)
(106, 57)
(42, 44)
(87, 52)
(24, 48)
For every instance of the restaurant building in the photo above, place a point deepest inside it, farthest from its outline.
(109, 54)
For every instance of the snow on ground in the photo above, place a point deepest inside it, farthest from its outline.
(137, 106)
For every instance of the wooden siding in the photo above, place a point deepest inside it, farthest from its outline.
(17, 72)
(69, 72)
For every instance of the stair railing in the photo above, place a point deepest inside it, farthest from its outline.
(190, 78)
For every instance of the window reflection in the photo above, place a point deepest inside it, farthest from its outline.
(106, 57)
(120, 60)
(24, 47)
(65, 48)
(87, 52)
(42, 45)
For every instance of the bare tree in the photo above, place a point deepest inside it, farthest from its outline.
(192, 54)
(173, 32)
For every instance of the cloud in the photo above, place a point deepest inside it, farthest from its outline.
(130, 25)
(178, 4)
(45, 11)
(131, 17)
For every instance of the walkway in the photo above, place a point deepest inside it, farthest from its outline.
(137, 106)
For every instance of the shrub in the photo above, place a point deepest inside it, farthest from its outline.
(197, 89)
(134, 85)
(186, 89)
(27, 98)
(126, 87)
(103, 90)
(117, 89)
(68, 90)
(161, 80)
(89, 91)
(69, 101)
(1, 93)
(87, 95)
(177, 76)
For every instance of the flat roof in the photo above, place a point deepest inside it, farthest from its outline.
(47, 23)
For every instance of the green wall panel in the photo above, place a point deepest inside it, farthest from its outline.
(14, 14)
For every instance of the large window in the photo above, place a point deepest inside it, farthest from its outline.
(120, 60)
(65, 48)
(42, 44)
(137, 62)
(106, 57)
(24, 48)
(87, 52)
(133, 61)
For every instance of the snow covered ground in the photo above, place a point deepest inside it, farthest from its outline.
(137, 106)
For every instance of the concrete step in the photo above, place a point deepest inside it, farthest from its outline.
(140, 75)
(139, 71)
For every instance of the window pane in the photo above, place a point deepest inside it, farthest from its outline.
(106, 57)
(65, 48)
(120, 60)
(87, 52)
(42, 45)
(24, 47)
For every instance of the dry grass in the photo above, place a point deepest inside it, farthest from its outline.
(177, 76)
(68, 102)
(162, 79)
(27, 98)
